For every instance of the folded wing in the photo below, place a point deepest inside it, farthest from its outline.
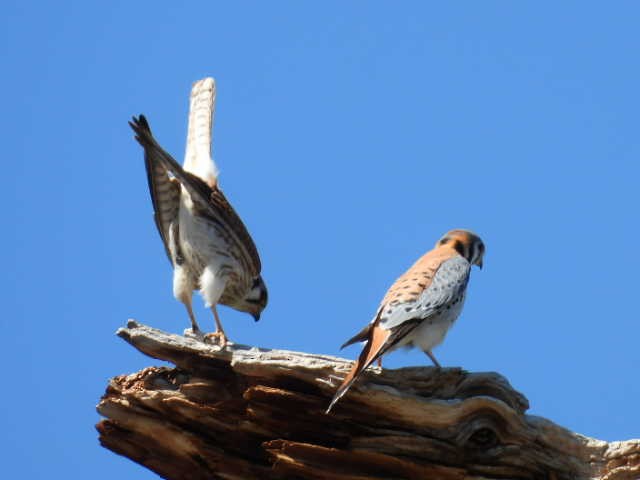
(208, 202)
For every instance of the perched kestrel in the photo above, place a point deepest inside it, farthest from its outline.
(207, 243)
(421, 305)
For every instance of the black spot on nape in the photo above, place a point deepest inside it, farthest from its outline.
(458, 246)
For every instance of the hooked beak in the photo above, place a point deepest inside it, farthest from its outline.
(256, 316)
(480, 264)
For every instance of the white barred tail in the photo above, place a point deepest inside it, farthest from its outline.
(198, 159)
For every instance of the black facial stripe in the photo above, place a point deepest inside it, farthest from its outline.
(479, 250)
(261, 298)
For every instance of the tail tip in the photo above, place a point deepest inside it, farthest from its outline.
(338, 395)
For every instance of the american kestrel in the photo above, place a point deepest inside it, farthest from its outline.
(207, 243)
(421, 305)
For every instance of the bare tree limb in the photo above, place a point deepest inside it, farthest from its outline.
(250, 413)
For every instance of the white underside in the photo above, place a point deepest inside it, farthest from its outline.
(431, 332)
(202, 269)
(183, 286)
(211, 285)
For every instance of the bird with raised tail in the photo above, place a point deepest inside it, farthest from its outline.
(209, 247)
(420, 306)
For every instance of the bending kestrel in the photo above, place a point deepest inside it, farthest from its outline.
(421, 305)
(207, 243)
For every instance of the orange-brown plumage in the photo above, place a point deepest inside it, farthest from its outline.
(418, 278)
(421, 305)
(377, 338)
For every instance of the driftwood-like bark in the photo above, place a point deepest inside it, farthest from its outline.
(246, 413)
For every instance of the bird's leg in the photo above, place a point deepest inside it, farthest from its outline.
(194, 325)
(212, 285)
(195, 329)
(218, 322)
(183, 291)
(433, 359)
(219, 334)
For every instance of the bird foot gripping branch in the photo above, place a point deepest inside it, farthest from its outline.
(217, 338)
(213, 338)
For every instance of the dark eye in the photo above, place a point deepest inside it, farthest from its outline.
(483, 438)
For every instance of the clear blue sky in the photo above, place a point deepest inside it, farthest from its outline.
(350, 136)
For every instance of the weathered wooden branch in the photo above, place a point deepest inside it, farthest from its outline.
(248, 413)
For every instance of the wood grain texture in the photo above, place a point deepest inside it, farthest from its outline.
(250, 413)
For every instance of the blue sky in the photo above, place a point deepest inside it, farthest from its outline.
(350, 136)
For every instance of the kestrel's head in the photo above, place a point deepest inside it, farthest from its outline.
(466, 243)
(255, 301)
